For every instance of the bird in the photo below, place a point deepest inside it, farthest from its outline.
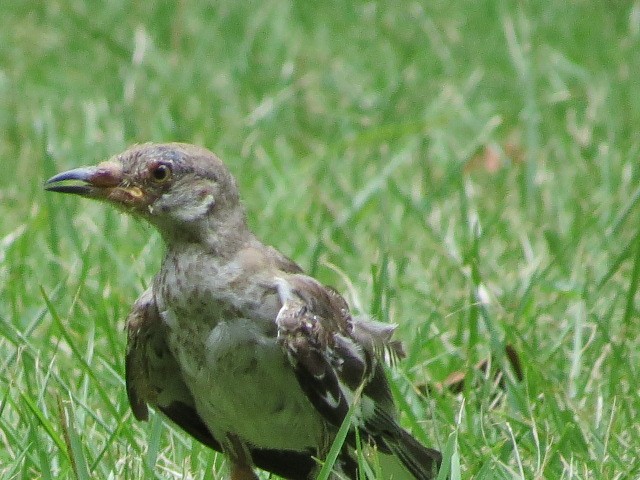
(232, 341)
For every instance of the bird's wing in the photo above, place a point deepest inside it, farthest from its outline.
(333, 354)
(154, 378)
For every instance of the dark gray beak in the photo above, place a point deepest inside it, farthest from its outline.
(101, 182)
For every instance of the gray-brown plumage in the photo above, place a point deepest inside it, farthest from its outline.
(233, 342)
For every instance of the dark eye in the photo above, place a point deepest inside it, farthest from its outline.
(161, 172)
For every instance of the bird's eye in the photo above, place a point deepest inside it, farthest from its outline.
(161, 172)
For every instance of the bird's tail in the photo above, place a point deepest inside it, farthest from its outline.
(422, 462)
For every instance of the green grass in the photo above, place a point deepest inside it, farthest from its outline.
(359, 134)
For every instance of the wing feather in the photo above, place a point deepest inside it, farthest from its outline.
(333, 355)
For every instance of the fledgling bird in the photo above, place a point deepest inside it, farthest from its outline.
(232, 341)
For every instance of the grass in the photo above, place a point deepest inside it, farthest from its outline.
(470, 173)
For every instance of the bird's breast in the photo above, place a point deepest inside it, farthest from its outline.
(209, 307)
(200, 287)
(222, 332)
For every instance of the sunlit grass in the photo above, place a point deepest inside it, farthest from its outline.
(470, 173)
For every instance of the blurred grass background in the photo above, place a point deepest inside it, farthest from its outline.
(471, 168)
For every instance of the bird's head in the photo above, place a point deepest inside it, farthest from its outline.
(181, 189)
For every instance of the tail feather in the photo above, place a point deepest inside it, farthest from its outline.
(422, 462)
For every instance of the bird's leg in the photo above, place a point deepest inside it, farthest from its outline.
(242, 472)
(241, 462)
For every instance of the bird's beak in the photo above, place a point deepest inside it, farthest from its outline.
(103, 182)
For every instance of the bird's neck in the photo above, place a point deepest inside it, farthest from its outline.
(220, 235)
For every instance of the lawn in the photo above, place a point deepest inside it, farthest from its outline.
(467, 171)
